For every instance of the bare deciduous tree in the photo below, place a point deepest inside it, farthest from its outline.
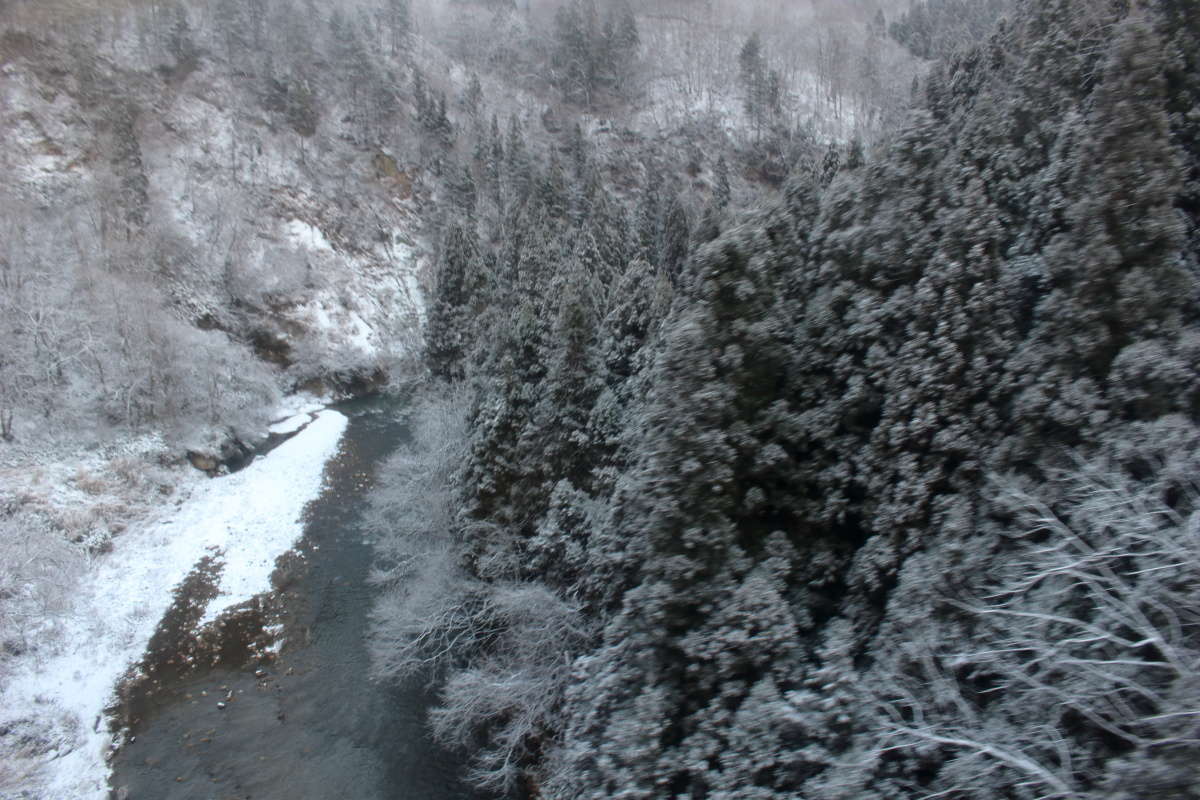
(1089, 646)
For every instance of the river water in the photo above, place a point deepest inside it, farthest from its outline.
(305, 723)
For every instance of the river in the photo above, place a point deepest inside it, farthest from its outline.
(305, 723)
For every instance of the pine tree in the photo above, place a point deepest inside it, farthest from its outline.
(440, 125)
(676, 240)
(709, 226)
(625, 42)
(1117, 270)
(607, 229)
(830, 164)
(773, 92)
(421, 101)
(638, 306)
(518, 173)
(473, 98)
(398, 24)
(551, 192)
(493, 162)
(572, 380)
(721, 188)
(540, 251)
(586, 255)
(854, 154)
(181, 45)
(574, 59)
(577, 152)
(878, 27)
(448, 338)
(759, 94)
(303, 113)
(627, 37)
(648, 219)
(463, 194)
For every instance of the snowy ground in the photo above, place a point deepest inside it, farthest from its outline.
(246, 519)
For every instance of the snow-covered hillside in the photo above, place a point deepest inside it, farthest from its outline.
(305, 248)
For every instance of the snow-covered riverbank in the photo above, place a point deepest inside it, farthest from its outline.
(244, 521)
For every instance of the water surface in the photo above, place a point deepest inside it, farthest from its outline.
(306, 724)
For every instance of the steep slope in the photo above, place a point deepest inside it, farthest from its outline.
(896, 499)
(207, 212)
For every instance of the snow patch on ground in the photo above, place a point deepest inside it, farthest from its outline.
(247, 519)
(266, 520)
(301, 234)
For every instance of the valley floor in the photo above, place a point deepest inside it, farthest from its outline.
(54, 735)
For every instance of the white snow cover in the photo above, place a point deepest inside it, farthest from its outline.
(301, 234)
(247, 519)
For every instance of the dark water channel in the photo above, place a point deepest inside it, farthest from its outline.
(306, 724)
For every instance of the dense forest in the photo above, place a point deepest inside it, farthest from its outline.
(884, 490)
(805, 396)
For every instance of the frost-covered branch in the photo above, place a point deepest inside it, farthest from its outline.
(1091, 628)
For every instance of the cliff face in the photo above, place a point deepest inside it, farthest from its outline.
(895, 500)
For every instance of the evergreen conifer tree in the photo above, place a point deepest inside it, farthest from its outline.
(518, 173)
(1116, 274)
(721, 187)
(447, 339)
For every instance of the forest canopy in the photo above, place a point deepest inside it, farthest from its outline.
(886, 490)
